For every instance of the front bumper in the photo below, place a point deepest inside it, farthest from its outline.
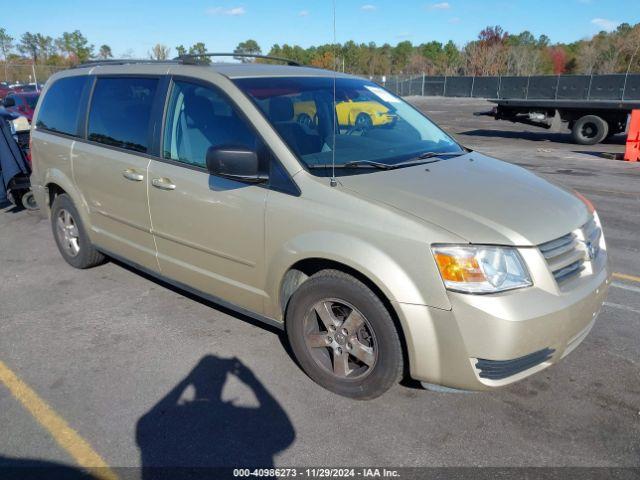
(454, 347)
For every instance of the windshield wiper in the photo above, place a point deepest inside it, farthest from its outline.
(354, 164)
(368, 163)
(419, 160)
(423, 158)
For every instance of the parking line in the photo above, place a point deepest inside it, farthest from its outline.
(624, 286)
(59, 429)
(621, 307)
(624, 276)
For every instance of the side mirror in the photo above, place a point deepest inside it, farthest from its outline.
(9, 102)
(236, 163)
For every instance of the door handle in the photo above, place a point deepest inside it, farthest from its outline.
(163, 184)
(131, 174)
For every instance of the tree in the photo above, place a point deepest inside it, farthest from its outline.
(45, 46)
(76, 46)
(181, 50)
(105, 52)
(401, 55)
(160, 52)
(29, 45)
(6, 44)
(200, 49)
(248, 47)
(558, 59)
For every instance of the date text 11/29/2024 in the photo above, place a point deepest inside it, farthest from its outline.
(316, 472)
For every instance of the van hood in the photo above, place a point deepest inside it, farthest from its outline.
(478, 198)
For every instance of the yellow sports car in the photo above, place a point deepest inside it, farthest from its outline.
(364, 114)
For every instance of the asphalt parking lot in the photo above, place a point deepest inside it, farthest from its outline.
(116, 356)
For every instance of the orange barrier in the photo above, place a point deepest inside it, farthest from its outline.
(632, 152)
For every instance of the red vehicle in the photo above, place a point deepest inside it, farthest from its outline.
(22, 103)
(4, 91)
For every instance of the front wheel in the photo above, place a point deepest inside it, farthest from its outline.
(589, 130)
(343, 336)
(29, 201)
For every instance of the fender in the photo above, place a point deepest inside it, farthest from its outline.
(56, 176)
(372, 262)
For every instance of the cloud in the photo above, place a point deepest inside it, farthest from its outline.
(440, 6)
(368, 8)
(234, 11)
(604, 24)
(454, 20)
(303, 13)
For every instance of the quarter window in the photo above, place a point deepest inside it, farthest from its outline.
(121, 111)
(198, 118)
(59, 109)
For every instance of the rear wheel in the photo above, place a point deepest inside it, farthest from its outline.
(343, 336)
(363, 121)
(589, 130)
(70, 235)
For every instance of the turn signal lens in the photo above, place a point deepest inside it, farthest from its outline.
(481, 269)
(459, 268)
(586, 201)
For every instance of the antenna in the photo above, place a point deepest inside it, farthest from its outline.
(333, 181)
(626, 77)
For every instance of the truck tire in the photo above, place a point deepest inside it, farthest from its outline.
(343, 336)
(589, 130)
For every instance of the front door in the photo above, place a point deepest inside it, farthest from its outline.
(209, 231)
(111, 169)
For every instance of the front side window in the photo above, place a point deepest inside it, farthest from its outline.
(121, 111)
(59, 110)
(198, 118)
(362, 122)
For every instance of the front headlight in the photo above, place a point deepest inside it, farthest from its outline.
(481, 269)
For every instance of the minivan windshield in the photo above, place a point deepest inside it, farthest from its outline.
(374, 129)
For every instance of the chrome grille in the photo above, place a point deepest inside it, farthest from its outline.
(566, 255)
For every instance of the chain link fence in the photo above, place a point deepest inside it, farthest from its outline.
(27, 73)
(563, 87)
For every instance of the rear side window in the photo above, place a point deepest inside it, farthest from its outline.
(59, 109)
(120, 112)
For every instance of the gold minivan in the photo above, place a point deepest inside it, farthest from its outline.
(383, 249)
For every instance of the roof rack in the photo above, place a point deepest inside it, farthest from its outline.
(120, 61)
(192, 58)
(188, 59)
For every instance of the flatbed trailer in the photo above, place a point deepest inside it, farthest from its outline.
(590, 121)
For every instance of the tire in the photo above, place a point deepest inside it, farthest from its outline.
(589, 130)
(15, 197)
(363, 120)
(361, 362)
(29, 201)
(306, 121)
(70, 235)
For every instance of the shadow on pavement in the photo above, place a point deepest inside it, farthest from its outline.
(542, 136)
(31, 469)
(193, 427)
(9, 207)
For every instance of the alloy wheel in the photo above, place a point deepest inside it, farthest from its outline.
(340, 339)
(68, 234)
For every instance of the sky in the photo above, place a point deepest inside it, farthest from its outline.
(134, 27)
